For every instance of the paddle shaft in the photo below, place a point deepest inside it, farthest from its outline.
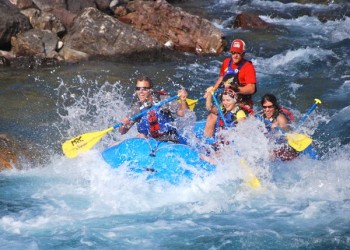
(147, 110)
(313, 107)
(199, 99)
(219, 109)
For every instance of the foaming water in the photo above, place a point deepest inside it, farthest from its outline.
(291, 61)
(84, 203)
(86, 200)
(331, 31)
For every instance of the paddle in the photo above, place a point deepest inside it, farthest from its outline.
(312, 108)
(219, 109)
(251, 179)
(82, 143)
(192, 102)
(297, 141)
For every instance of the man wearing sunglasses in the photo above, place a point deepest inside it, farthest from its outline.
(238, 73)
(161, 123)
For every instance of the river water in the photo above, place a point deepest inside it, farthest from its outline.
(82, 203)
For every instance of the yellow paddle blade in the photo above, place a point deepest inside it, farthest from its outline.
(82, 143)
(317, 101)
(191, 103)
(250, 177)
(298, 141)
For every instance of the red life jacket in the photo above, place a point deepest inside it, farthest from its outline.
(247, 109)
(289, 115)
(231, 75)
(154, 126)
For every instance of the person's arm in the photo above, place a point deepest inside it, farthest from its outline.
(208, 100)
(247, 89)
(220, 78)
(217, 83)
(281, 121)
(127, 123)
(183, 104)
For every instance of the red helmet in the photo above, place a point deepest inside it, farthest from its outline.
(238, 46)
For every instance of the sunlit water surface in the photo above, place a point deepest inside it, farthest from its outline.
(83, 203)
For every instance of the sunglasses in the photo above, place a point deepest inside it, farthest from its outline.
(142, 88)
(268, 107)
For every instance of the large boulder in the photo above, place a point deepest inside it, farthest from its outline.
(42, 43)
(76, 6)
(66, 17)
(44, 21)
(11, 23)
(8, 156)
(98, 34)
(48, 5)
(15, 153)
(252, 22)
(23, 4)
(174, 27)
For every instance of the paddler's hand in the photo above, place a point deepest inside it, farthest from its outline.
(209, 91)
(182, 95)
(125, 121)
(126, 125)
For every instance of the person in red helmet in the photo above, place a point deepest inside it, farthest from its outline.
(238, 73)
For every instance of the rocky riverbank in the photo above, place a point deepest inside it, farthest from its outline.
(47, 32)
(41, 32)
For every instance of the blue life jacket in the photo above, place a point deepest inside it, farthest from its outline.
(156, 124)
(230, 119)
(231, 74)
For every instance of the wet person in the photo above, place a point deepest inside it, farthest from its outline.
(157, 123)
(238, 73)
(277, 117)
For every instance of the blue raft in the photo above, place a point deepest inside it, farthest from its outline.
(159, 160)
(309, 151)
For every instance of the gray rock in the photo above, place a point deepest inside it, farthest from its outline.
(34, 43)
(98, 34)
(12, 21)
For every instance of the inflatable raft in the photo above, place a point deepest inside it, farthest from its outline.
(159, 160)
(285, 153)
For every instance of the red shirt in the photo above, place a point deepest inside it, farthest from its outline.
(246, 74)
